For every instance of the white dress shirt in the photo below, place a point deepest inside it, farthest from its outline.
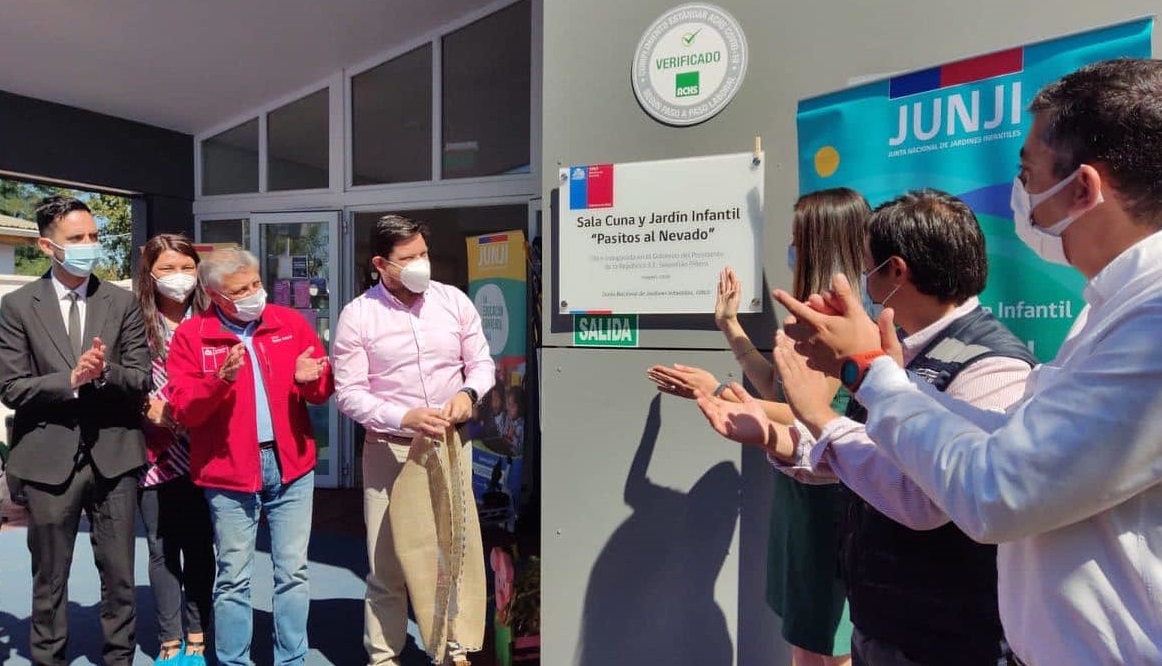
(62, 293)
(844, 451)
(1067, 483)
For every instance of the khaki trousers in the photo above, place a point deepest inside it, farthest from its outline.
(423, 542)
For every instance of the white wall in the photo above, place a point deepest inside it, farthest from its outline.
(7, 258)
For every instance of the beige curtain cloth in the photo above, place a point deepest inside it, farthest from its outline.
(437, 538)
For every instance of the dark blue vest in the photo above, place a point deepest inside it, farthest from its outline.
(932, 594)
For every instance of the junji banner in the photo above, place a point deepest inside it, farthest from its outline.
(959, 127)
(496, 284)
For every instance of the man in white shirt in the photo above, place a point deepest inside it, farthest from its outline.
(1068, 481)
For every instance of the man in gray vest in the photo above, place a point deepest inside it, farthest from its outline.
(920, 591)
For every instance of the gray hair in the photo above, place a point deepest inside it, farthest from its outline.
(222, 262)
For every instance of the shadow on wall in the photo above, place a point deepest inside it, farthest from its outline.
(650, 598)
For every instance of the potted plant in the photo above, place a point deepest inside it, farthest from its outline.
(518, 609)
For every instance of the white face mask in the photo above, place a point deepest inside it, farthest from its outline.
(249, 308)
(416, 275)
(1045, 242)
(176, 286)
(874, 309)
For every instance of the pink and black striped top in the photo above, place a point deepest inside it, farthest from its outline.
(168, 449)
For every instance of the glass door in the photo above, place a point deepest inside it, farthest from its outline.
(297, 253)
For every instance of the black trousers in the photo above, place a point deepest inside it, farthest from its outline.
(54, 515)
(868, 651)
(181, 555)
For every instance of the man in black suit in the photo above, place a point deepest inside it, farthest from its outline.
(75, 369)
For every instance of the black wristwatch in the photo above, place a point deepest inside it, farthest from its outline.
(472, 394)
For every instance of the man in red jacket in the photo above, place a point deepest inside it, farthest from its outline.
(240, 377)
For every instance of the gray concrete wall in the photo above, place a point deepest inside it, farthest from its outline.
(635, 571)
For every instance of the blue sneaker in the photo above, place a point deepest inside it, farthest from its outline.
(198, 659)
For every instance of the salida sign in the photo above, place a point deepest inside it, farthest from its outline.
(605, 330)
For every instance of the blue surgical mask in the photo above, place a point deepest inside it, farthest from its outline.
(874, 309)
(792, 257)
(80, 259)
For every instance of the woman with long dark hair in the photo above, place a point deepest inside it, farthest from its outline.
(827, 237)
(174, 510)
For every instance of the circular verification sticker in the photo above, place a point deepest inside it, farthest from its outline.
(689, 64)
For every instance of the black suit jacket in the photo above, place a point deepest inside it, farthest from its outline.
(51, 425)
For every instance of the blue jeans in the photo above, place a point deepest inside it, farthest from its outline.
(235, 517)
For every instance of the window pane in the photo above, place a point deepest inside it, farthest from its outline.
(391, 120)
(297, 144)
(226, 231)
(486, 97)
(230, 161)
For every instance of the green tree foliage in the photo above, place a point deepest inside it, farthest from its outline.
(14, 200)
(114, 218)
(19, 199)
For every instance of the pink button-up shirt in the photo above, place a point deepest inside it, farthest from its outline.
(389, 358)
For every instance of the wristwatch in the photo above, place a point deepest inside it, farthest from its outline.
(472, 394)
(854, 368)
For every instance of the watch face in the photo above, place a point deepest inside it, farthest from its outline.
(848, 372)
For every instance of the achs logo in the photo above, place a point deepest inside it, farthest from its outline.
(281, 338)
(686, 84)
(966, 111)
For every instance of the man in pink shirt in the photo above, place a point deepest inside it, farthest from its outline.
(410, 362)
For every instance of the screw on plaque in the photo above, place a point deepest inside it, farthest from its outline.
(754, 302)
(564, 304)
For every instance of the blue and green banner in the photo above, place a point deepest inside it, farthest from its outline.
(959, 127)
(497, 286)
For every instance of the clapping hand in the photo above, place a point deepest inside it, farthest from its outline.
(308, 369)
(229, 370)
(158, 413)
(829, 327)
(90, 366)
(726, 300)
(809, 392)
(682, 380)
(746, 422)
